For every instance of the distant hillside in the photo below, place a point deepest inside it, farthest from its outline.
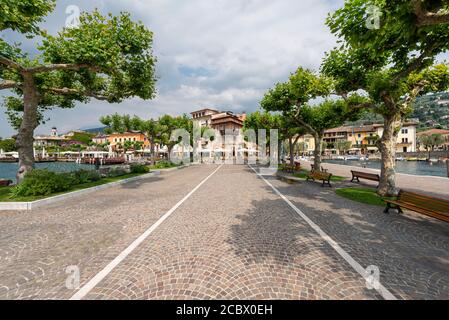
(432, 111)
(95, 130)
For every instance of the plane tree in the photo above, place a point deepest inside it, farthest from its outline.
(24, 15)
(153, 130)
(294, 100)
(393, 64)
(262, 121)
(430, 142)
(124, 123)
(108, 58)
(168, 125)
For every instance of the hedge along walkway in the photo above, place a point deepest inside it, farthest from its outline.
(78, 190)
(30, 202)
(5, 193)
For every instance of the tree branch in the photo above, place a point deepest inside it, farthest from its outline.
(11, 64)
(364, 105)
(69, 92)
(296, 139)
(414, 93)
(8, 84)
(306, 125)
(414, 65)
(427, 18)
(62, 66)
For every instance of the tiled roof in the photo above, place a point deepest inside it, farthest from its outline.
(433, 131)
(206, 109)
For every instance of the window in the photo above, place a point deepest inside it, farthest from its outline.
(359, 135)
(404, 131)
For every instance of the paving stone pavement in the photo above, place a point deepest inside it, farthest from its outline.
(88, 231)
(411, 250)
(232, 239)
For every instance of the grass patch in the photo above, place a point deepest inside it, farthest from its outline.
(164, 165)
(362, 195)
(304, 173)
(6, 192)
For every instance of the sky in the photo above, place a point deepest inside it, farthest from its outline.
(222, 54)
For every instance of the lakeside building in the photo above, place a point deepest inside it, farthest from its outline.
(100, 139)
(443, 133)
(308, 144)
(52, 140)
(69, 135)
(118, 139)
(406, 141)
(363, 138)
(225, 122)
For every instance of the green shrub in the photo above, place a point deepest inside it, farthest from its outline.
(85, 176)
(43, 182)
(164, 165)
(117, 172)
(139, 168)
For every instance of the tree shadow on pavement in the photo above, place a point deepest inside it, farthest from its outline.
(272, 236)
(138, 183)
(412, 251)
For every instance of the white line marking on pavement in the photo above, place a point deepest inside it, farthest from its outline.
(103, 273)
(354, 264)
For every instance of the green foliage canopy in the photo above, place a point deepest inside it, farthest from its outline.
(106, 58)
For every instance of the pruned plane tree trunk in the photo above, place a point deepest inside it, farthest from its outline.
(387, 147)
(24, 140)
(318, 137)
(66, 71)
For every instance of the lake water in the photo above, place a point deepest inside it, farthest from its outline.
(420, 168)
(9, 170)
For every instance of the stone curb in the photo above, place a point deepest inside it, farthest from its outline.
(38, 203)
(177, 168)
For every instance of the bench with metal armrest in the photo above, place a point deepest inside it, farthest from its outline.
(320, 176)
(356, 175)
(420, 203)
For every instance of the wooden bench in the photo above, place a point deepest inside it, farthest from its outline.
(364, 175)
(312, 168)
(290, 168)
(321, 176)
(5, 183)
(429, 206)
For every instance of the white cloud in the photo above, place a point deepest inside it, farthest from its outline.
(239, 47)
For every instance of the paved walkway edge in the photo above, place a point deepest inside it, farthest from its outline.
(384, 292)
(19, 206)
(86, 288)
(38, 203)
